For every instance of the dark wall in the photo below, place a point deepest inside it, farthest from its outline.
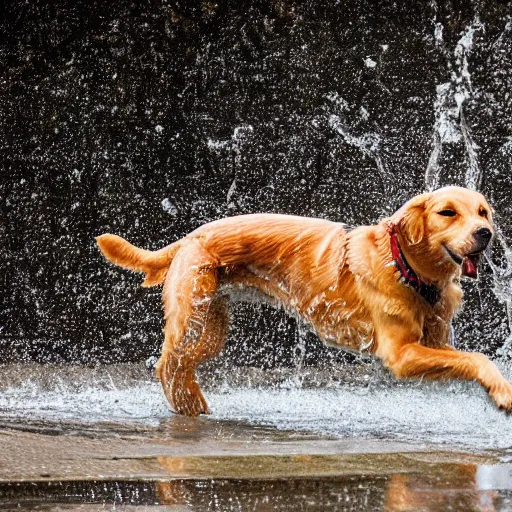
(147, 119)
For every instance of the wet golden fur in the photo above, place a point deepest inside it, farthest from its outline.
(343, 283)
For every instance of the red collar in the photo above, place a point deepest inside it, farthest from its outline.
(429, 292)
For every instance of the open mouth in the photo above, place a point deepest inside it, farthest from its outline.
(469, 262)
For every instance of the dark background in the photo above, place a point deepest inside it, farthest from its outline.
(147, 119)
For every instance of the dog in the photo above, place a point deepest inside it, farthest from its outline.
(390, 289)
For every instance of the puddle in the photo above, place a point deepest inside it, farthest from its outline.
(76, 438)
(348, 493)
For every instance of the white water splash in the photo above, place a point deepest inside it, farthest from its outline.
(241, 134)
(473, 177)
(450, 124)
(140, 403)
(169, 207)
(231, 191)
(455, 413)
(368, 144)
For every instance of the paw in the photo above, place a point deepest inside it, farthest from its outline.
(501, 392)
(185, 395)
(192, 406)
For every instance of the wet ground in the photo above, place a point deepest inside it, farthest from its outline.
(75, 438)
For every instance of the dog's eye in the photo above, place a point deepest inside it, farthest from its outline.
(447, 213)
(482, 212)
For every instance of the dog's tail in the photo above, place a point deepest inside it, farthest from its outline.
(153, 263)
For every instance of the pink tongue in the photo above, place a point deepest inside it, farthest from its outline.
(469, 268)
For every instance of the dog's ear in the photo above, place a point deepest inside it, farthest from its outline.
(410, 219)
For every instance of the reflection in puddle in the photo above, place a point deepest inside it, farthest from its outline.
(456, 489)
(494, 476)
(371, 482)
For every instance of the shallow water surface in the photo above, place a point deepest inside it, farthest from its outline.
(78, 438)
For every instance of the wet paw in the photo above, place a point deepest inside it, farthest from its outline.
(186, 396)
(501, 393)
(192, 406)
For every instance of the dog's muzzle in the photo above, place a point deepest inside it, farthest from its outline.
(469, 261)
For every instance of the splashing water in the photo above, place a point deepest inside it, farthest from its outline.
(369, 404)
(451, 127)
(450, 124)
(368, 144)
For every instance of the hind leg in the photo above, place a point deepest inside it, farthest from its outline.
(195, 328)
(183, 390)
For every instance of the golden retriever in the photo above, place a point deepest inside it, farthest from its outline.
(391, 289)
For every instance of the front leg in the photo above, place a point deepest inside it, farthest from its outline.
(401, 352)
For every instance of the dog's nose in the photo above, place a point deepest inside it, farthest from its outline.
(482, 236)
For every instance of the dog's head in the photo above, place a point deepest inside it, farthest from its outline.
(443, 231)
